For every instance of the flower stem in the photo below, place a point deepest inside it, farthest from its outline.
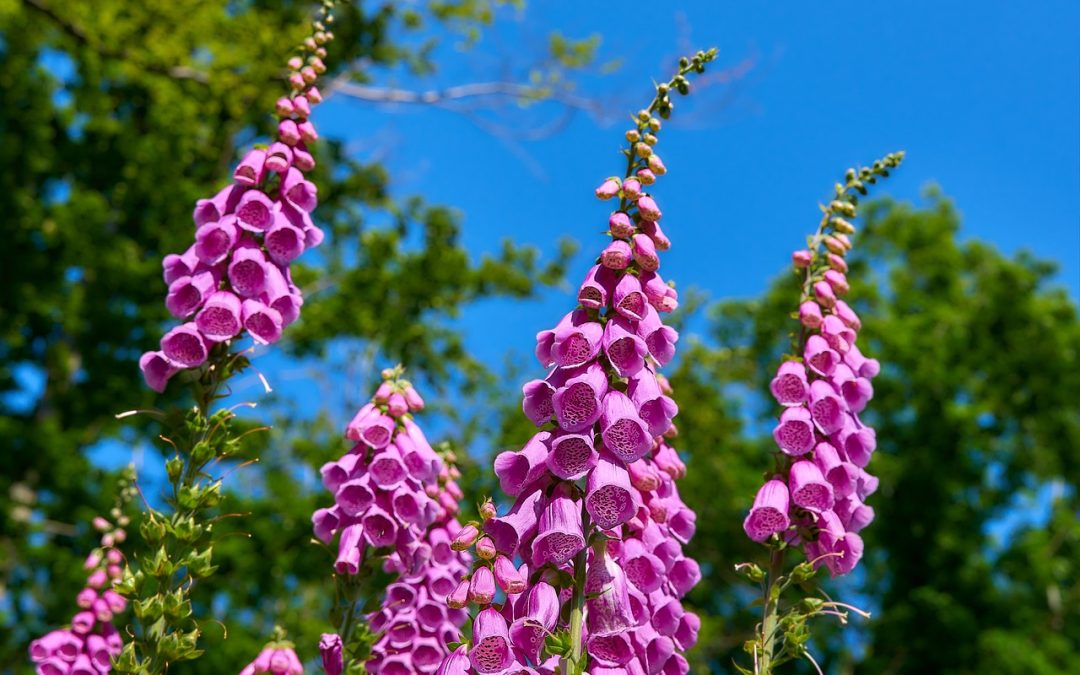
(771, 612)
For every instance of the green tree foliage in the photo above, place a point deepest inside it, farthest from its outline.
(977, 413)
(117, 116)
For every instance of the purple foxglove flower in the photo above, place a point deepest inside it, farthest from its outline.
(853, 514)
(307, 131)
(184, 346)
(597, 287)
(625, 434)
(769, 515)
(620, 225)
(156, 370)
(219, 319)
(387, 468)
(214, 241)
(264, 323)
(666, 617)
(251, 169)
(648, 209)
(379, 527)
(808, 487)
(837, 334)
(279, 157)
(819, 357)
(790, 387)
(578, 402)
(866, 485)
(396, 405)
(330, 649)
(491, 651)
(625, 350)
(617, 255)
(631, 188)
(325, 523)
(86, 597)
(507, 577)
(810, 314)
(299, 192)
(247, 269)
(571, 456)
(656, 234)
(681, 521)
(654, 288)
(518, 470)
(82, 623)
(824, 294)
(837, 549)
(302, 159)
(288, 132)
(284, 241)
(610, 499)
(545, 339)
(840, 474)
(255, 212)
(354, 497)
(628, 298)
(645, 252)
(847, 315)
(610, 650)
(559, 535)
(837, 281)
(177, 266)
(459, 597)
(687, 634)
(98, 651)
(858, 443)
(658, 652)
(457, 663)
(513, 528)
(795, 432)
(608, 189)
(371, 427)
(659, 339)
(482, 586)
(538, 615)
(802, 259)
(221, 204)
(281, 296)
(643, 475)
(826, 408)
(608, 603)
(685, 573)
(187, 294)
(655, 409)
(644, 570)
(537, 404)
(578, 344)
(857, 393)
(302, 106)
(350, 549)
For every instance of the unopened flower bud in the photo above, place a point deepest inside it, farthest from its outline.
(633, 135)
(657, 165)
(608, 189)
(302, 106)
(507, 577)
(487, 509)
(283, 107)
(317, 65)
(100, 524)
(837, 263)
(617, 255)
(642, 149)
(485, 548)
(810, 314)
(844, 240)
(843, 226)
(631, 188)
(646, 176)
(802, 259)
(459, 597)
(465, 538)
(620, 225)
(835, 245)
(417, 403)
(837, 281)
(296, 81)
(288, 132)
(396, 405)
(824, 294)
(295, 63)
(382, 394)
(309, 74)
(482, 586)
(313, 95)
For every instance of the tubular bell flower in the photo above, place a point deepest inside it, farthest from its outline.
(597, 520)
(245, 238)
(396, 504)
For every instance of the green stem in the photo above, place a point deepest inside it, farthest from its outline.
(771, 613)
(575, 664)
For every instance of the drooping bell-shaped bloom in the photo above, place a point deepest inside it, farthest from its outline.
(769, 515)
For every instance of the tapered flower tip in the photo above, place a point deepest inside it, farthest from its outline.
(184, 346)
(795, 432)
(491, 651)
(625, 434)
(808, 487)
(597, 286)
(648, 209)
(769, 514)
(790, 387)
(577, 403)
(629, 298)
(810, 314)
(456, 663)
(624, 348)
(537, 404)
(559, 535)
(656, 234)
(610, 499)
(572, 455)
(264, 323)
(482, 586)
(156, 370)
(219, 319)
(330, 649)
(509, 530)
(517, 470)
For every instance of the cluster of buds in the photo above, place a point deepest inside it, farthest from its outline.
(816, 495)
(396, 499)
(278, 657)
(235, 278)
(597, 523)
(91, 641)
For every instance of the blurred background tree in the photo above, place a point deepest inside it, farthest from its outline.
(118, 115)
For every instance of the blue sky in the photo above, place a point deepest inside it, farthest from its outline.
(984, 102)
